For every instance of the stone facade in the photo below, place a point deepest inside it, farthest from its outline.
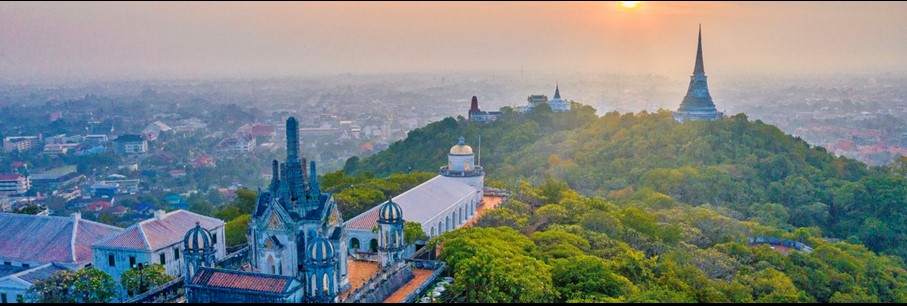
(293, 217)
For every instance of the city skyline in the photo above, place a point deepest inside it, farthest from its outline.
(104, 41)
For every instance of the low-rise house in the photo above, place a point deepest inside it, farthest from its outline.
(15, 281)
(155, 241)
(34, 247)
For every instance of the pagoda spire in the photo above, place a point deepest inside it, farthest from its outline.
(699, 69)
(557, 91)
(292, 138)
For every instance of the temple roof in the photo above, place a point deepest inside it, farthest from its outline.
(420, 204)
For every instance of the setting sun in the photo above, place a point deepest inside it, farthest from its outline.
(629, 4)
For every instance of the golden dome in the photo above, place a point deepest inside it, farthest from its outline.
(460, 150)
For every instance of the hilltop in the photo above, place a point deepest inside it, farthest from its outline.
(747, 170)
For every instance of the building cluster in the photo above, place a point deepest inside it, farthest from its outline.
(300, 244)
(300, 249)
(557, 104)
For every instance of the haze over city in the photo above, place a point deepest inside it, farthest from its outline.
(453, 152)
(55, 41)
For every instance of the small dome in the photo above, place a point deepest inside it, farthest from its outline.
(390, 212)
(461, 148)
(197, 240)
(321, 251)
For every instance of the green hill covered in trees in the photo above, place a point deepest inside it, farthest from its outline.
(639, 208)
(746, 170)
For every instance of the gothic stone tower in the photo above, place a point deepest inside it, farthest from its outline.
(697, 104)
(290, 218)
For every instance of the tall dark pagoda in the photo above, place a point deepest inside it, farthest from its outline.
(697, 104)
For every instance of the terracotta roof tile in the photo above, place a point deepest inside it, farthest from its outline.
(9, 177)
(242, 280)
(156, 233)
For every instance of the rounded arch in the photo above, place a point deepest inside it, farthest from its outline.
(456, 219)
(373, 245)
(314, 284)
(326, 284)
(440, 227)
(447, 222)
(432, 231)
(354, 243)
(271, 264)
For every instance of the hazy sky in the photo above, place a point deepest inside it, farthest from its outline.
(228, 39)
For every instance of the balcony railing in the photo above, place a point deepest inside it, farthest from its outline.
(477, 171)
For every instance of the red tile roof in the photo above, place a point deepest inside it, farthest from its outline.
(47, 239)
(262, 129)
(203, 160)
(367, 220)
(242, 280)
(156, 233)
(9, 177)
(98, 205)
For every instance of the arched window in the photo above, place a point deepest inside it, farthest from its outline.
(467, 166)
(354, 243)
(432, 231)
(326, 284)
(314, 284)
(456, 219)
(447, 222)
(440, 227)
(373, 245)
(271, 263)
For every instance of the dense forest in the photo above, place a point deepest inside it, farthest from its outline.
(743, 169)
(551, 244)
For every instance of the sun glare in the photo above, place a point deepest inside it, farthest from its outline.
(628, 4)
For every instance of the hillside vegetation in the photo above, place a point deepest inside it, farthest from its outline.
(746, 170)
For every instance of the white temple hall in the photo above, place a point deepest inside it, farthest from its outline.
(441, 204)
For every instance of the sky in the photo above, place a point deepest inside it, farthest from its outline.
(140, 40)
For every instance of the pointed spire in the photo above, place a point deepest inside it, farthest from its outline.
(275, 176)
(557, 91)
(292, 138)
(314, 186)
(699, 69)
